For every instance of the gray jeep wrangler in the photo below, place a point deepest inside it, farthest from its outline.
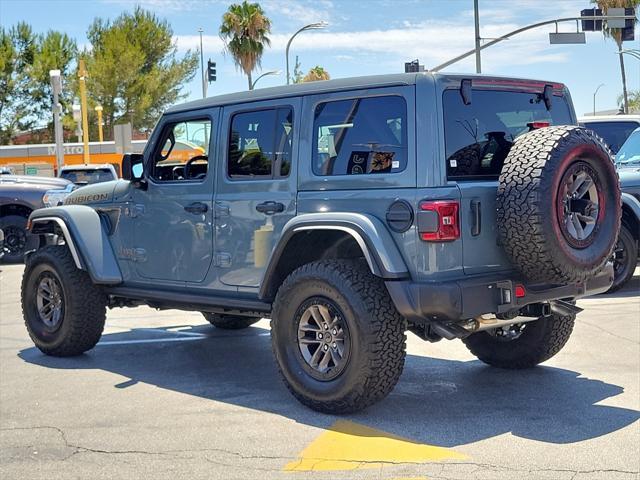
(349, 212)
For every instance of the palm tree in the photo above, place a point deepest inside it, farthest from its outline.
(244, 30)
(315, 74)
(616, 34)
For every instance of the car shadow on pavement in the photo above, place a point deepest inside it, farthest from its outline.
(439, 402)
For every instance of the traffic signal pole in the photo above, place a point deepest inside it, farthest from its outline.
(476, 17)
(524, 29)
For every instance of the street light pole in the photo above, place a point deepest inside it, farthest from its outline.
(82, 74)
(476, 15)
(204, 83)
(594, 97)
(56, 86)
(311, 26)
(270, 72)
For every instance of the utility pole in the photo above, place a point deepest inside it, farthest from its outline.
(476, 15)
(82, 74)
(204, 83)
(56, 86)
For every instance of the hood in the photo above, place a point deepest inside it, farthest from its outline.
(92, 194)
(49, 182)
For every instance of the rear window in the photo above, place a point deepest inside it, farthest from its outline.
(87, 177)
(614, 133)
(478, 136)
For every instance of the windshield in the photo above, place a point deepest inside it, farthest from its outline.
(613, 133)
(87, 177)
(629, 153)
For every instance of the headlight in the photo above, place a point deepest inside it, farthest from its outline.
(53, 198)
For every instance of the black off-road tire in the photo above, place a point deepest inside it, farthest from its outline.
(539, 341)
(229, 322)
(629, 250)
(376, 335)
(84, 304)
(531, 224)
(16, 238)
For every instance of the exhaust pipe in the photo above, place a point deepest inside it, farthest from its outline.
(564, 308)
(490, 322)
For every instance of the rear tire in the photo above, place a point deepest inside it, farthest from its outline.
(538, 341)
(625, 259)
(229, 322)
(63, 310)
(339, 313)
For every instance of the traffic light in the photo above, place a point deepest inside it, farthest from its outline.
(211, 71)
(629, 26)
(591, 25)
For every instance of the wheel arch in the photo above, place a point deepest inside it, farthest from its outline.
(85, 236)
(317, 236)
(15, 209)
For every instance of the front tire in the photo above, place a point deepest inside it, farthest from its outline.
(534, 342)
(63, 310)
(229, 322)
(338, 340)
(625, 259)
(17, 239)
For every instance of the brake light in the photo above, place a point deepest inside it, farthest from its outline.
(536, 125)
(520, 291)
(443, 224)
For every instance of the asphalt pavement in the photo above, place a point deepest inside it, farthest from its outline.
(165, 395)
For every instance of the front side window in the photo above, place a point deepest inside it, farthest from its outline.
(260, 144)
(184, 151)
(478, 136)
(360, 136)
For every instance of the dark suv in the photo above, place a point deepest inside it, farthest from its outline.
(349, 212)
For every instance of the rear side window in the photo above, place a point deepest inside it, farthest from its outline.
(360, 136)
(478, 136)
(614, 133)
(260, 144)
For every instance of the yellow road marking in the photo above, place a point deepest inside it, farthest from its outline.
(350, 446)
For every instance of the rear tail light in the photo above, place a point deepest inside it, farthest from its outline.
(520, 291)
(438, 221)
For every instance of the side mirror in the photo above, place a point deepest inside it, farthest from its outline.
(132, 168)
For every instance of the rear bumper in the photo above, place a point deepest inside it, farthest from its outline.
(468, 298)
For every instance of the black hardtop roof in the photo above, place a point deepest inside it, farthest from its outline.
(310, 88)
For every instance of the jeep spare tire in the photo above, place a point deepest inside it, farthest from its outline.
(558, 204)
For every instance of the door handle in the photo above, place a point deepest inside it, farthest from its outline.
(196, 208)
(269, 208)
(476, 217)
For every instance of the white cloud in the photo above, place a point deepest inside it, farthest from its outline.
(165, 6)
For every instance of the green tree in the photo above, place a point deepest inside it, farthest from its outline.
(316, 74)
(134, 71)
(616, 35)
(25, 87)
(633, 98)
(17, 54)
(245, 29)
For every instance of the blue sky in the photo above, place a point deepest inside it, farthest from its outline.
(372, 36)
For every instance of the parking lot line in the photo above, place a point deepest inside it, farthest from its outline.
(350, 446)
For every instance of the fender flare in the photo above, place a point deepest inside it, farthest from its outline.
(373, 237)
(87, 241)
(632, 203)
